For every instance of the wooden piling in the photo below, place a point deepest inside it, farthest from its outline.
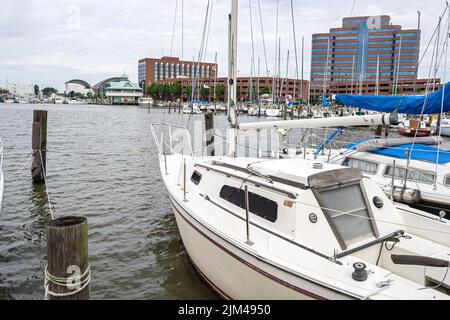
(39, 146)
(67, 254)
(209, 127)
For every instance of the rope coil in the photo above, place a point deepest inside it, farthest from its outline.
(81, 281)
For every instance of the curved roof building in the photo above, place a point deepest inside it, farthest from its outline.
(77, 86)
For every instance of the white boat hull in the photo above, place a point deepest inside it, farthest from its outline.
(445, 130)
(237, 275)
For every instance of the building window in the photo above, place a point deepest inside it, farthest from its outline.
(258, 205)
(413, 174)
(350, 220)
(364, 166)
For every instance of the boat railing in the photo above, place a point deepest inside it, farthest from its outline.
(171, 139)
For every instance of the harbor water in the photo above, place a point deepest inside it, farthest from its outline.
(102, 163)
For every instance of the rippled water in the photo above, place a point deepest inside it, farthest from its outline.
(102, 163)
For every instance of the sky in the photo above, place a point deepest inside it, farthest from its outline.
(48, 42)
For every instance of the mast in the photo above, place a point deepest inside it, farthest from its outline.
(436, 63)
(215, 81)
(361, 74)
(303, 61)
(418, 50)
(378, 76)
(325, 71)
(279, 72)
(232, 77)
(398, 68)
(353, 74)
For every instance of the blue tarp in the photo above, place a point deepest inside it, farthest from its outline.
(325, 101)
(400, 104)
(420, 152)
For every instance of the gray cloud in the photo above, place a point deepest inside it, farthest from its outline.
(51, 41)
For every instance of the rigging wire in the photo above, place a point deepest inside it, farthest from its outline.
(296, 54)
(200, 57)
(263, 38)
(428, 46)
(253, 51)
(173, 29)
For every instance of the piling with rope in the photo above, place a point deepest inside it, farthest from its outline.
(39, 146)
(209, 129)
(68, 273)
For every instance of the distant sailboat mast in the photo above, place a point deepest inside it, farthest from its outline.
(325, 72)
(361, 73)
(378, 77)
(232, 77)
(353, 75)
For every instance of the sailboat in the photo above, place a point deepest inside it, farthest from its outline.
(284, 228)
(2, 178)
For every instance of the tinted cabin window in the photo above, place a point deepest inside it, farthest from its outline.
(260, 206)
(350, 219)
(364, 166)
(413, 174)
(196, 177)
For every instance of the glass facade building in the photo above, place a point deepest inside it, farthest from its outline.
(352, 58)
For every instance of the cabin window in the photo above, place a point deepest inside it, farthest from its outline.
(196, 177)
(447, 180)
(413, 174)
(258, 205)
(364, 166)
(351, 221)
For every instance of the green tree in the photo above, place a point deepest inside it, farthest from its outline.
(266, 90)
(175, 90)
(154, 91)
(220, 91)
(187, 91)
(3, 91)
(36, 90)
(49, 91)
(204, 92)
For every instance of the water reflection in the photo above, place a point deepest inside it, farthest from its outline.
(181, 279)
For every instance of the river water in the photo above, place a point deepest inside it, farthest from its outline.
(102, 163)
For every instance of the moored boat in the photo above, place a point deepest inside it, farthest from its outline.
(414, 128)
(284, 228)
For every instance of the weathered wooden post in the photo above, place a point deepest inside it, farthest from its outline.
(68, 272)
(209, 127)
(39, 146)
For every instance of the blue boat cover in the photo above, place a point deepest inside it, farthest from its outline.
(420, 152)
(431, 103)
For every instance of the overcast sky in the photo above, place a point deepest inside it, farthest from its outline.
(49, 42)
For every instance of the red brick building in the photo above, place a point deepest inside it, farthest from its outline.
(169, 68)
(246, 89)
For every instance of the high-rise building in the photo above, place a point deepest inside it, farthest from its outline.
(169, 68)
(367, 55)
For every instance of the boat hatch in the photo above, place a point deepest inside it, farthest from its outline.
(351, 221)
(334, 178)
